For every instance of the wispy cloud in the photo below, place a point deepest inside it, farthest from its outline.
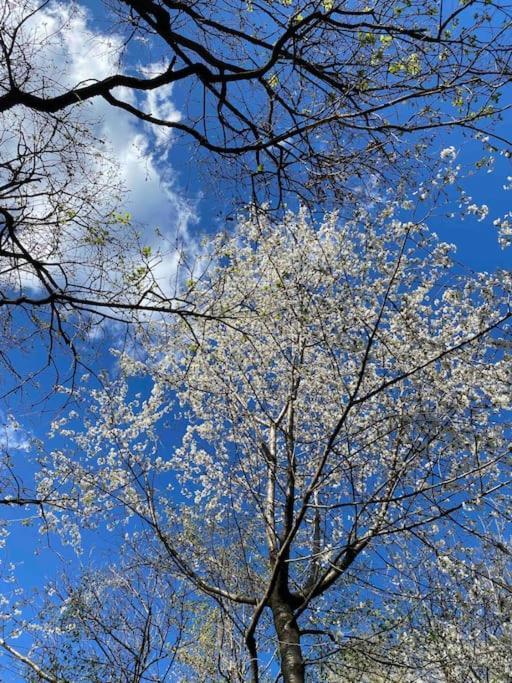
(13, 436)
(87, 54)
(73, 51)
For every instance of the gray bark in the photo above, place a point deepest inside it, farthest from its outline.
(292, 663)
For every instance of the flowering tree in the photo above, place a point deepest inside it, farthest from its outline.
(455, 625)
(346, 427)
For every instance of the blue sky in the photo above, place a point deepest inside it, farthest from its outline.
(166, 190)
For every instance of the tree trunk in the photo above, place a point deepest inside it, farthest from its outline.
(292, 664)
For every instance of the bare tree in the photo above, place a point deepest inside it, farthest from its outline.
(70, 255)
(304, 95)
(125, 623)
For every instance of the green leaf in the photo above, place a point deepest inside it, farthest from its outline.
(122, 218)
(273, 81)
(386, 41)
(366, 38)
(413, 64)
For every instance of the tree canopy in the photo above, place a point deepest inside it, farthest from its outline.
(343, 432)
(295, 462)
(299, 95)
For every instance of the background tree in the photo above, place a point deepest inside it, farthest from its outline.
(71, 256)
(124, 622)
(351, 424)
(454, 626)
(302, 95)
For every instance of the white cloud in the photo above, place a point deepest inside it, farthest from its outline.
(92, 55)
(13, 437)
(73, 52)
(160, 105)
